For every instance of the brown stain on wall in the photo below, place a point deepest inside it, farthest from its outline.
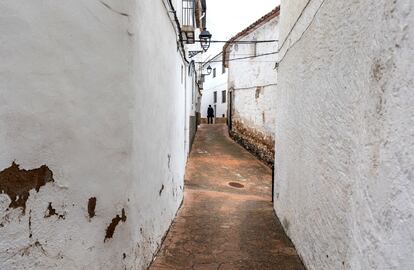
(257, 143)
(17, 183)
(91, 207)
(115, 221)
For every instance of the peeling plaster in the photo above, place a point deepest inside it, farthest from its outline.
(52, 212)
(17, 183)
(110, 230)
(63, 112)
(91, 207)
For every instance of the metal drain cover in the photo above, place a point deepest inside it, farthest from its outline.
(236, 185)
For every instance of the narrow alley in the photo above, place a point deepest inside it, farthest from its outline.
(207, 134)
(227, 219)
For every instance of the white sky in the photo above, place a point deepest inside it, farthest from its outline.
(225, 18)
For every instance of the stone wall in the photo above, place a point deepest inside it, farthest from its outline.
(256, 142)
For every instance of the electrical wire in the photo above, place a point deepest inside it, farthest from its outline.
(241, 41)
(252, 87)
(244, 54)
(241, 58)
(250, 61)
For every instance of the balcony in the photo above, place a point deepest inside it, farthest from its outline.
(188, 21)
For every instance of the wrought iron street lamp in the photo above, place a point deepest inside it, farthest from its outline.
(209, 69)
(205, 39)
(203, 75)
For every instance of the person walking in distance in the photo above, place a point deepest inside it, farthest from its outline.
(210, 114)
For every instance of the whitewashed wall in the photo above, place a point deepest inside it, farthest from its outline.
(256, 113)
(344, 133)
(214, 84)
(93, 90)
(253, 81)
(252, 84)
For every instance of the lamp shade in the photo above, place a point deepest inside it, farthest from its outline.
(205, 38)
(209, 69)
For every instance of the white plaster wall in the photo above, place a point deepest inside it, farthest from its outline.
(255, 108)
(257, 113)
(212, 84)
(344, 134)
(289, 18)
(93, 91)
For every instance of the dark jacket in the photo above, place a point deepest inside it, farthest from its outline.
(210, 112)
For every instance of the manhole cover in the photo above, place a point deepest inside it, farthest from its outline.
(236, 185)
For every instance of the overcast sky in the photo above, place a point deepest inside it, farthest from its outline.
(225, 18)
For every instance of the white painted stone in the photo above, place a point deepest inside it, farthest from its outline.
(345, 133)
(94, 90)
(253, 80)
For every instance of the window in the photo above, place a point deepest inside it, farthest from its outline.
(223, 96)
(215, 96)
(214, 72)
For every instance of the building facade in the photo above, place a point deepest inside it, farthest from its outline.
(252, 84)
(96, 99)
(215, 89)
(345, 133)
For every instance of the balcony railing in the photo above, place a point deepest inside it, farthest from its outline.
(188, 21)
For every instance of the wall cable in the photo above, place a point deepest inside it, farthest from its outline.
(241, 58)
